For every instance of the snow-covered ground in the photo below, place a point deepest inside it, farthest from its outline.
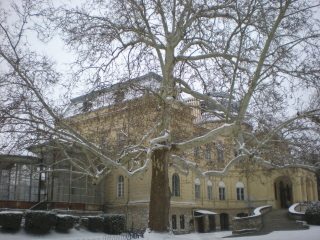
(312, 234)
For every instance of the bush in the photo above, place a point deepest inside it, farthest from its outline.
(10, 221)
(40, 221)
(113, 223)
(95, 224)
(65, 222)
(312, 214)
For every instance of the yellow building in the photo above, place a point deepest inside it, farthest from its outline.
(197, 202)
(115, 117)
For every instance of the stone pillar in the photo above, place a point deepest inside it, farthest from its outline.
(297, 189)
(304, 189)
(314, 190)
(308, 188)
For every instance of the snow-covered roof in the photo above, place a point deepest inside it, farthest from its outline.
(7, 160)
(205, 212)
(119, 92)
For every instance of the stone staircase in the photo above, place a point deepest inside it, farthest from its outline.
(278, 220)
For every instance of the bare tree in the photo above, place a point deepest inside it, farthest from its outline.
(254, 51)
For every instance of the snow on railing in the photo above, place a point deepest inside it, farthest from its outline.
(251, 223)
(256, 212)
(292, 209)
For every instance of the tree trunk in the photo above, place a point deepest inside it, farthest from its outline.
(160, 194)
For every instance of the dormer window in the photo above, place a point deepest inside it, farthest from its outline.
(118, 96)
(86, 106)
(220, 152)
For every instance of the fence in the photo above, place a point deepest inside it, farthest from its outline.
(125, 236)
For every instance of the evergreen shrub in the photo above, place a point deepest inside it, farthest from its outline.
(65, 222)
(95, 223)
(10, 221)
(113, 223)
(312, 214)
(40, 222)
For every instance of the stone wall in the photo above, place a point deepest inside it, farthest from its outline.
(251, 223)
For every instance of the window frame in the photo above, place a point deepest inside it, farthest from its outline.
(120, 186)
(209, 190)
(175, 185)
(208, 154)
(222, 191)
(174, 222)
(182, 222)
(240, 191)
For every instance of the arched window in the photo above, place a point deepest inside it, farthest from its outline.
(209, 189)
(197, 188)
(196, 152)
(175, 185)
(219, 149)
(222, 191)
(240, 191)
(208, 152)
(120, 186)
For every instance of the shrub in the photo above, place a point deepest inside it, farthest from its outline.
(84, 221)
(312, 214)
(40, 221)
(10, 221)
(95, 224)
(113, 223)
(65, 222)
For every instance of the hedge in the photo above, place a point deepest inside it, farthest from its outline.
(40, 221)
(95, 223)
(10, 221)
(65, 222)
(113, 223)
(312, 213)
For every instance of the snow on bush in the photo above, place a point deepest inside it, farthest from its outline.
(65, 222)
(113, 223)
(10, 221)
(40, 221)
(312, 214)
(95, 223)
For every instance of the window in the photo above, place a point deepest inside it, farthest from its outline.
(240, 191)
(182, 222)
(222, 191)
(175, 185)
(118, 96)
(174, 221)
(208, 152)
(196, 152)
(86, 106)
(219, 148)
(121, 138)
(209, 190)
(120, 187)
(197, 188)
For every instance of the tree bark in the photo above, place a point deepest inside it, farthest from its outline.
(159, 194)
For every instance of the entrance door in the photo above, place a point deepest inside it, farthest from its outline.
(212, 223)
(283, 192)
(224, 221)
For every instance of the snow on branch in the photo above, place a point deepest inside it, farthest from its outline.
(183, 165)
(226, 168)
(198, 141)
(209, 100)
(161, 140)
